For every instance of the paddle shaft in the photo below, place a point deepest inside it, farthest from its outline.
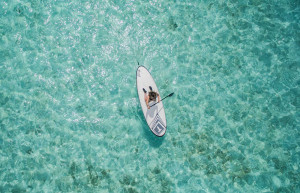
(163, 99)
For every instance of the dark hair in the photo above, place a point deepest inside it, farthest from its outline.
(152, 95)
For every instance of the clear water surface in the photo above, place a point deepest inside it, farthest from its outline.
(70, 119)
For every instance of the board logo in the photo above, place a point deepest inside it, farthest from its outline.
(139, 73)
(157, 126)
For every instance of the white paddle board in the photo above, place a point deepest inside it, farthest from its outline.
(155, 116)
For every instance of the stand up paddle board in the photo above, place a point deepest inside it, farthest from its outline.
(155, 116)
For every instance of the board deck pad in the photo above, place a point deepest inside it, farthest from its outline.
(155, 116)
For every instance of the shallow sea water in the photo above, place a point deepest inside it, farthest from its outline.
(70, 119)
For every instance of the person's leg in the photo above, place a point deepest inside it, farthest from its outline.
(150, 88)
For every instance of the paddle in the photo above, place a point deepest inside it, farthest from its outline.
(163, 99)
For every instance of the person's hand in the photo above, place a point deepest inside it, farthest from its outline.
(148, 106)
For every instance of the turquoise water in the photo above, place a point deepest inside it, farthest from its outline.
(69, 112)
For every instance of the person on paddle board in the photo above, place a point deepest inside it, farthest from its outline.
(151, 96)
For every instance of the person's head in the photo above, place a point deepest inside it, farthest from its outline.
(152, 95)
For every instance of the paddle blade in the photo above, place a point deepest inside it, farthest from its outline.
(170, 94)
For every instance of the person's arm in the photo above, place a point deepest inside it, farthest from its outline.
(146, 97)
(147, 103)
(158, 97)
